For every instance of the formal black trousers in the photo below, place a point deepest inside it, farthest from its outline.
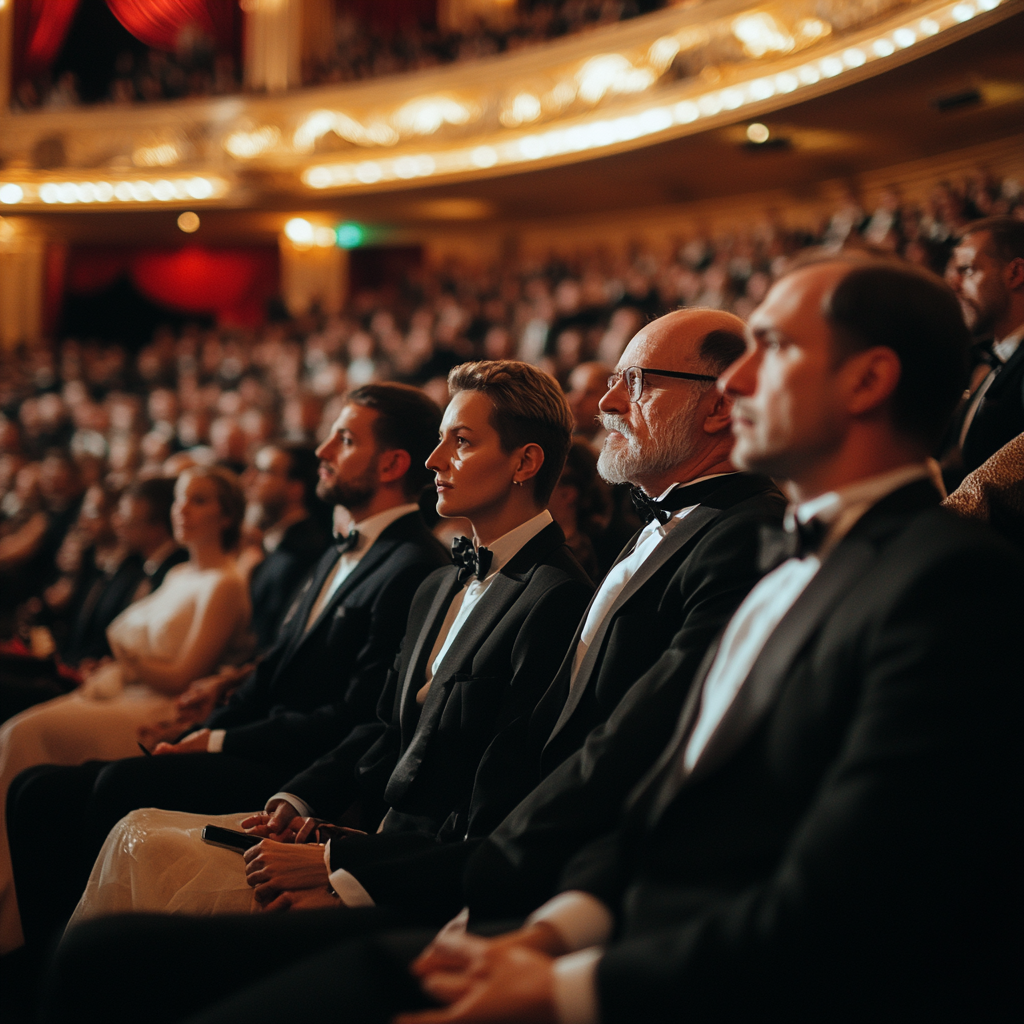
(334, 964)
(58, 818)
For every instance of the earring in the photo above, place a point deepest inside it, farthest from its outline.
(518, 483)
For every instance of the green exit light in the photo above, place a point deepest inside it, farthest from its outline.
(350, 235)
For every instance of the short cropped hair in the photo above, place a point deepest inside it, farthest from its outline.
(407, 419)
(529, 408)
(916, 314)
(158, 494)
(230, 497)
(1007, 234)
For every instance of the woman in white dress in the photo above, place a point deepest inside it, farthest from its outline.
(197, 620)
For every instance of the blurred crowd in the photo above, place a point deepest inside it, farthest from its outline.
(83, 421)
(361, 50)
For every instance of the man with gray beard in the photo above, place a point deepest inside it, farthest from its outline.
(626, 675)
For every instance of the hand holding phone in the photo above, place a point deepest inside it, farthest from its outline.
(229, 839)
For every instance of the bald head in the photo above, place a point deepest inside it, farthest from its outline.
(707, 338)
(678, 428)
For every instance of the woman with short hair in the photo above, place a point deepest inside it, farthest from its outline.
(485, 637)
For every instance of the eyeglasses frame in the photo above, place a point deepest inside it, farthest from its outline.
(614, 379)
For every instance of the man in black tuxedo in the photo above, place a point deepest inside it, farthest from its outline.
(281, 490)
(834, 830)
(321, 680)
(449, 757)
(654, 615)
(987, 270)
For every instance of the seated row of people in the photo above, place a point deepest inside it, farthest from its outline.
(726, 791)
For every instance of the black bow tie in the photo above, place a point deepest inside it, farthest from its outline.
(794, 540)
(648, 509)
(472, 561)
(348, 542)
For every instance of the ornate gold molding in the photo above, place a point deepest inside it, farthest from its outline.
(673, 73)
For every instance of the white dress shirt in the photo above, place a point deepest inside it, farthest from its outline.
(346, 885)
(369, 530)
(622, 572)
(582, 920)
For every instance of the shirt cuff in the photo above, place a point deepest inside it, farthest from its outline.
(302, 809)
(576, 987)
(582, 920)
(347, 886)
(215, 741)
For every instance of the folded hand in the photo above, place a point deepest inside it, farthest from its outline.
(484, 981)
(272, 868)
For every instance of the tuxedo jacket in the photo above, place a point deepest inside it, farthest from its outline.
(275, 580)
(848, 844)
(667, 614)
(643, 662)
(1000, 416)
(424, 762)
(107, 598)
(316, 685)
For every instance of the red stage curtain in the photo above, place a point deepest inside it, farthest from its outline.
(233, 285)
(38, 38)
(158, 23)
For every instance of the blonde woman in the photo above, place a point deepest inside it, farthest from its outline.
(196, 621)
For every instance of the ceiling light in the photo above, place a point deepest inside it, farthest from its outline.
(188, 222)
(758, 133)
(299, 231)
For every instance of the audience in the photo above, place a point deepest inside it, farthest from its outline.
(646, 781)
(320, 682)
(196, 620)
(360, 50)
(833, 828)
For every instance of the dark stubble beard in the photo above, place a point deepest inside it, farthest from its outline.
(353, 494)
(672, 444)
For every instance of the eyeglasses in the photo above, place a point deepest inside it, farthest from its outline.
(633, 377)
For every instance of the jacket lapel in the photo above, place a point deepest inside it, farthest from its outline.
(854, 556)
(304, 602)
(504, 590)
(679, 536)
(416, 666)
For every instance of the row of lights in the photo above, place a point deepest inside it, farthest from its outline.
(136, 190)
(304, 235)
(601, 133)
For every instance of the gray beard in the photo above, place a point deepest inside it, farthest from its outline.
(674, 445)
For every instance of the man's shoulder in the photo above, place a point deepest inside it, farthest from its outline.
(408, 539)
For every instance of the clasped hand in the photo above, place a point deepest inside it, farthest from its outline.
(272, 868)
(486, 981)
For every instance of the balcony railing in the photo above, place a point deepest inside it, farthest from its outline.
(661, 76)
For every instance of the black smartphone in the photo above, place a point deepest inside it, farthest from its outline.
(228, 839)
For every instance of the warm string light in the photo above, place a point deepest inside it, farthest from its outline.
(600, 76)
(134, 190)
(600, 132)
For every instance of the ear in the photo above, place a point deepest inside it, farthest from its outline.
(393, 465)
(531, 458)
(719, 417)
(1014, 274)
(872, 376)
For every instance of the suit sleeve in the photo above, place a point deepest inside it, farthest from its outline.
(291, 732)
(892, 862)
